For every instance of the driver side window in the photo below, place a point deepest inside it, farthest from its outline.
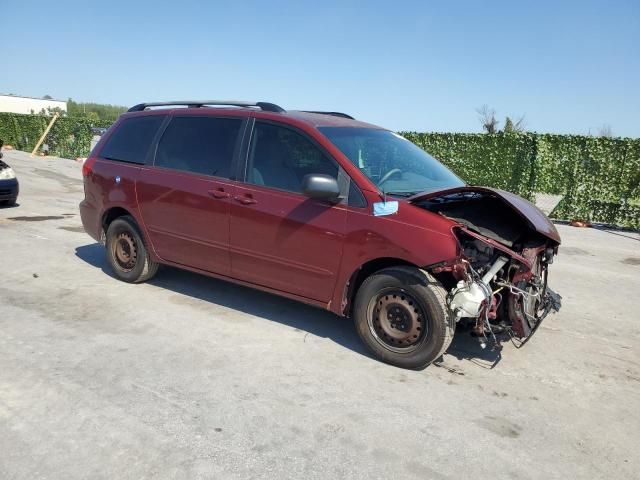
(280, 158)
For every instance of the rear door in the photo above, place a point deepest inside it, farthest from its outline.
(184, 197)
(280, 238)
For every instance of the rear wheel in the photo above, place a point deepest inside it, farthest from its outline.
(127, 252)
(401, 315)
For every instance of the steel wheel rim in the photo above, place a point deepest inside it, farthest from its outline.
(397, 320)
(125, 251)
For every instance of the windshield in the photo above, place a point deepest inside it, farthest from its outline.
(393, 163)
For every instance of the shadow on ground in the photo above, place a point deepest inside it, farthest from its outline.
(278, 309)
(466, 347)
(630, 234)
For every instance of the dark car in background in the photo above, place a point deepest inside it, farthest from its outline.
(98, 131)
(9, 187)
(323, 209)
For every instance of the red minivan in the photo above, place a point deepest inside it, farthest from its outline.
(324, 209)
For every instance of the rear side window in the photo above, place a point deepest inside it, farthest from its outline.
(202, 145)
(131, 141)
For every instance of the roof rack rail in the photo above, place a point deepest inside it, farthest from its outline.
(266, 106)
(335, 114)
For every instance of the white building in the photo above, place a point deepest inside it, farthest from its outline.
(16, 104)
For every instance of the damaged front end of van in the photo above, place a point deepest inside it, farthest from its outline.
(499, 281)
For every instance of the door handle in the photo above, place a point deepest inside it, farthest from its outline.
(246, 200)
(218, 194)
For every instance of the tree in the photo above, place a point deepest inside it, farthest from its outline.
(94, 110)
(47, 97)
(487, 117)
(508, 126)
(57, 110)
(605, 131)
(511, 127)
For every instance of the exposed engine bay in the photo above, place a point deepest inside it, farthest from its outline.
(498, 284)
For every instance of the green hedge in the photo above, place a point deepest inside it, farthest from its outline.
(598, 177)
(70, 137)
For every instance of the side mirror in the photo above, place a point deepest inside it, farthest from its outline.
(321, 187)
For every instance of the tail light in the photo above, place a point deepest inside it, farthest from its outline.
(87, 166)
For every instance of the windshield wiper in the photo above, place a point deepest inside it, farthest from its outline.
(401, 194)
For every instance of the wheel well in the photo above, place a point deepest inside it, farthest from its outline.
(110, 215)
(366, 270)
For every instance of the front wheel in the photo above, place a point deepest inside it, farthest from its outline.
(127, 252)
(402, 316)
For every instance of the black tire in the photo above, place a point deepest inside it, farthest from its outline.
(402, 316)
(127, 252)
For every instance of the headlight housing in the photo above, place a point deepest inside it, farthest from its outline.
(7, 174)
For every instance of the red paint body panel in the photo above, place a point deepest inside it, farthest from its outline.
(186, 217)
(287, 241)
(102, 193)
(281, 293)
(412, 235)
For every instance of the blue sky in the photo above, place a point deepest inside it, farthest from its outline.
(570, 67)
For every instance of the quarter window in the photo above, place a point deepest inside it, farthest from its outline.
(203, 145)
(280, 157)
(131, 141)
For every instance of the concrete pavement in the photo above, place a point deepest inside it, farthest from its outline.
(190, 377)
